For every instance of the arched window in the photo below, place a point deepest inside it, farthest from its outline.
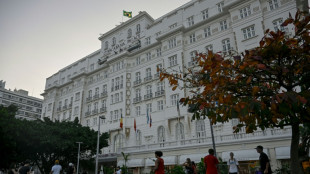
(200, 130)
(161, 136)
(113, 41)
(138, 138)
(118, 142)
(138, 28)
(180, 132)
(129, 33)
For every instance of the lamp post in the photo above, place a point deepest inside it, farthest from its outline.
(96, 169)
(78, 161)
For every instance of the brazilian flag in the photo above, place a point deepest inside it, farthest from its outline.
(127, 13)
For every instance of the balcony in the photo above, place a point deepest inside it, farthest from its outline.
(156, 76)
(87, 114)
(137, 100)
(147, 79)
(137, 82)
(104, 94)
(88, 99)
(148, 96)
(64, 107)
(103, 109)
(160, 93)
(95, 111)
(96, 97)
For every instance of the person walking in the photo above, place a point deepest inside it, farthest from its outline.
(211, 163)
(263, 160)
(56, 168)
(233, 164)
(118, 170)
(159, 163)
(188, 166)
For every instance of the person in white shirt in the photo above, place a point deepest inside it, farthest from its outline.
(56, 168)
(233, 164)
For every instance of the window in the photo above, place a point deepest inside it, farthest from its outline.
(121, 96)
(129, 33)
(220, 7)
(104, 88)
(148, 41)
(193, 57)
(97, 91)
(200, 130)
(158, 52)
(226, 45)
(148, 56)
(112, 99)
(76, 110)
(173, 60)
(209, 48)
(159, 67)
(117, 97)
(106, 45)
(160, 105)
(118, 142)
(138, 76)
(138, 28)
(138, 93)
(205, 14)
(172, 43)
(116, 115)
(192, 38)
(148, 72)
(248, 32)
(138, 138)
(160, 86)
(245, 12)
(103, 104)
(96, 106)
(223, 25)
(149, 90)
(117, 83)
(273, 4)
(94, 121)
(90, 93)
(161, 135)
(277, 25)
(149, 108)
(174, 99)
(207, 31)
(180, 132)
(114, 41)
(138, 61)
(138, 110)
(49, 107)
(190, 21)
(88, 108)
(87, 122)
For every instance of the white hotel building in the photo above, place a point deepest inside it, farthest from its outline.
(120, 79)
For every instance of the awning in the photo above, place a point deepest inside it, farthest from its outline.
(135, 163)
(283, 152)
(243, 155)
(194, 157)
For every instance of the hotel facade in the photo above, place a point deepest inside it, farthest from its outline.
(120, 80)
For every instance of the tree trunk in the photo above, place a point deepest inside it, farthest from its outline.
(295, 163)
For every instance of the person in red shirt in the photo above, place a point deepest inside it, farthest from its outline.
(159, 163)
(211, 163)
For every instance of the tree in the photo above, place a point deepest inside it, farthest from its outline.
(267, 87)
(44, 141)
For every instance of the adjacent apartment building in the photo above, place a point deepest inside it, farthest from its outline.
(120, 80)
(29, 107)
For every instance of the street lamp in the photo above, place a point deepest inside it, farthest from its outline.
(96, 169)
(78, 162)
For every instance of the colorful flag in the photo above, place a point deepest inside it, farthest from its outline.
(121, 121)
(150, 120)
(135, 125)
(147, 116)
(127, 13)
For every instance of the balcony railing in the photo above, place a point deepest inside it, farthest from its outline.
(96, 96)
(137, 100)
(95, 111)
(103, 109)
(104, 94)
(88, 99)
(149, 78)
(159, 93)
(137, 82)
(148, 96)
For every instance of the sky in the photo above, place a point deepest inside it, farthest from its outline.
(40, 37)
